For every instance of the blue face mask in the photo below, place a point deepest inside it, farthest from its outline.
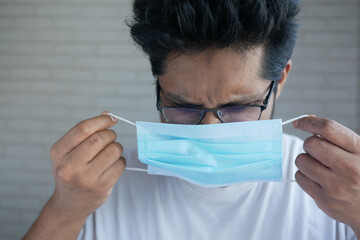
(212, 155)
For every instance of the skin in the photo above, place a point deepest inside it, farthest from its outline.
(86, 164)
(87, 161)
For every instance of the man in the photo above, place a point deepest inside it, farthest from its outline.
(227, 57)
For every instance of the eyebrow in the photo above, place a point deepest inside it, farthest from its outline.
(178, 100)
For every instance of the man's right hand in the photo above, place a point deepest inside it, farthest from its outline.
(86, 164)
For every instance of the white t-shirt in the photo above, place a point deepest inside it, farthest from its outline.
(144, 206)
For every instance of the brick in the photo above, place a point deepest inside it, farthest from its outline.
(32, 23)
(4, 73)
(12, 61)
(10, 189)
(336, 95)
(6, 23)
(22, 203)
(6, 111)
(13, 10)
(118, 76)
(15, 35)
(41, 192)
(74, 49)
(99, 11)
(96, 62)
(330, 10)
(55, 10)
(24, 151)
(344, 25)
(116, 50)
(53, 61)
(10, 137)
(313, 24)
(331, 39)
(24, 98)
(9, 215)
(30, 48)
(14, 85)
(43, 138)
(24, 124)
(99, 36)
(6, 47)
(50, 86)
(34, 73)
(72, 74)
(53, 36)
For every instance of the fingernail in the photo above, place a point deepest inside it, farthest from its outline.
(114, 119)
(104, 113)
(296, 123)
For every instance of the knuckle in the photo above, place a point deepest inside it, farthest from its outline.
(113, 133)
(95, 139)
(64, 174)
(328, 125)
(83, 129)
(310, 143)
(115, 149)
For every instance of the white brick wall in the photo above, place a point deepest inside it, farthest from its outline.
(63, 61)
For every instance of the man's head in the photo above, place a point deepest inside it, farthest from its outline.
(210, 54)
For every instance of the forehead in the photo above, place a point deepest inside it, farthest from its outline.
(214, 77)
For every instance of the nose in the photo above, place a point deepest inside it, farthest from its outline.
(210, 118)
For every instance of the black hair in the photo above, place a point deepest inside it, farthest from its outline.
(192, 26)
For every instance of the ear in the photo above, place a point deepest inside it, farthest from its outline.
(284, 76)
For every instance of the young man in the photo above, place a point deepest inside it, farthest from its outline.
(216, 62)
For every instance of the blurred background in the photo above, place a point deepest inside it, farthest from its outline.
(62, 61)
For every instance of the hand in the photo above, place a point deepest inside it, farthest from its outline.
(329, 171)
(86, 164)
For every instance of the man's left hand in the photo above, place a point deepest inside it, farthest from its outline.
(329, 171)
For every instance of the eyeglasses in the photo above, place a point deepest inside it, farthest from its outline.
(241, 113)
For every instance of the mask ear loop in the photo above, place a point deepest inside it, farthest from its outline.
(144, 170)
(134, 124)
(294, 119)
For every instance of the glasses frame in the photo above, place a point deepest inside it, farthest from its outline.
(215, 110)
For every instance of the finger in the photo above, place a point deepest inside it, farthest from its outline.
(91, 146)
(312, 168)
(112, 174)
(331, 131)
(309, 186)
(110, 154)
(327, 153)
(80, 132)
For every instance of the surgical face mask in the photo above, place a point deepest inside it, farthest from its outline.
(212, 155)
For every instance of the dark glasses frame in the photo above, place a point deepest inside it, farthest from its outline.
(216, 110)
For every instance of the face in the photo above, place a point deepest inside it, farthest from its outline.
(217, 78)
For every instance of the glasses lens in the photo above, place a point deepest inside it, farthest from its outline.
(182, 115)
(240, 114)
